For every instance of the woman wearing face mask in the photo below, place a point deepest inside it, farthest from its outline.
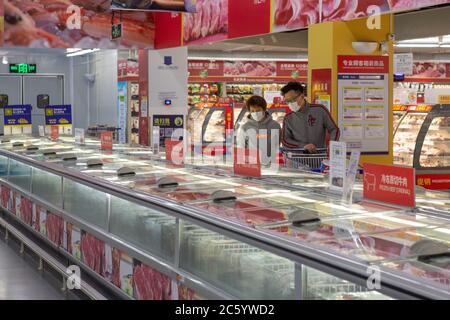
(260, 131)
(306, 126)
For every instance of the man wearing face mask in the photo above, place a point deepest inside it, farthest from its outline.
(307, 124)
(260, 131)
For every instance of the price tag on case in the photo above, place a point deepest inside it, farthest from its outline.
(106, 139)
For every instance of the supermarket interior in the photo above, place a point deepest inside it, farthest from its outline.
(128, 170)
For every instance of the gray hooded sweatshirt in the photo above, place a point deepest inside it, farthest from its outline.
(259, 134)
(309, 126)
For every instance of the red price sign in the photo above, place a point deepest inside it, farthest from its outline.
(174, 151)
(247, 162)
(106, 139)
(392, 184)
(54, 133)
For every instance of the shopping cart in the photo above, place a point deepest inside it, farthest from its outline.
(301, 159)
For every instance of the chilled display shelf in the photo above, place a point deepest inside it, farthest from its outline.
(129, 216)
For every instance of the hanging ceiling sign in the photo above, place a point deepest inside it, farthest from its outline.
(155, 5)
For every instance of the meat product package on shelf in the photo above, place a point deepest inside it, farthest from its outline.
(150, 284)
(209, 23)
(55, 228)
(93, 252)
(53, 23)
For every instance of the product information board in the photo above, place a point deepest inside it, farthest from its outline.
(167, 125)
(363, 103)
(122, 110)
(338, 158)
(17, 119)
(58, 115)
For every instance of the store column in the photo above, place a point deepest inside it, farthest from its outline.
(355, 81)
(143, 98)
(168, 86)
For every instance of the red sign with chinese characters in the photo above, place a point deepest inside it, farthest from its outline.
(363, 64)
(392, 184)
(293, 70)
(248, 18)
(433, 181)
(174, 151)
(321, 85)
(106, 139)
(54, 133)
(246, 162)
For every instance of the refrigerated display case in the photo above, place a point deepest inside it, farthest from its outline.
(399, 112)
(405, 137)
(213, 235)
(277, 112)
(203, 93)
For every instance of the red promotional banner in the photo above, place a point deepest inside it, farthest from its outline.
(246, 162)
(434, 181)
(208, 24)
(392, 184)
(248, 17)
(106, 139)
(54, 133)
(247, 71)
(171, 23)
(363, 64)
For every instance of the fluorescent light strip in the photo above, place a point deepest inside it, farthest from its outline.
(81, 52)
(417, 45)
(246, 59)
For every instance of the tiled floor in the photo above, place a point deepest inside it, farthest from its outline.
(20, 279)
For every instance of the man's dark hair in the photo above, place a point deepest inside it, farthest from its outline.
(296, 86)
(257, 101)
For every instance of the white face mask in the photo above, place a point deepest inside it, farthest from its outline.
(294, 106)
(257, 116)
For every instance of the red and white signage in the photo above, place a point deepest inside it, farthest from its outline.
(248, 18)
(54, 133)
(246, 162)
(392, 184)
(174, 151)
(363, 64)
(106, 139)
(434, 181)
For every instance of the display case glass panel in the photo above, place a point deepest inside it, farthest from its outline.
(405, 138)
(20, 174)
(215, 129)
(47, 186)
(86, 203)
(149, 229)
(436, 146)
(3, 166)
(240, 269)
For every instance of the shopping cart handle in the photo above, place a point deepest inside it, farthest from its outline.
(302, 150)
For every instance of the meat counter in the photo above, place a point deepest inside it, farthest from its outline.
(154, 231)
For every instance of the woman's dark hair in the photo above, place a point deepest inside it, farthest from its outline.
(256, 101)
(296, 86)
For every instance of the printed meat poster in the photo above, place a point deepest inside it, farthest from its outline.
(55, 229)
(16, 205)
(93, 252)
(400, 5)
(74, 240)
(26, 214)
(1, 22)
(5, 196)
(73, 24)
(208, 24)
(150, 284)
(155, 5)
(39, 219)
(121, 270)
(430, 70)
(333, 10)
(250, 68)
(294, 14)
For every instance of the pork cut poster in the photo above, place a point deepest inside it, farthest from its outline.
(73, 24)
(150, 284)
(155, 5)
(208, 24)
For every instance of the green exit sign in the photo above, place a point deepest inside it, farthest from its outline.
(116, 31)
(22, 68)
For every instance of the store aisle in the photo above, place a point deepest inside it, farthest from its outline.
(20, 280)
